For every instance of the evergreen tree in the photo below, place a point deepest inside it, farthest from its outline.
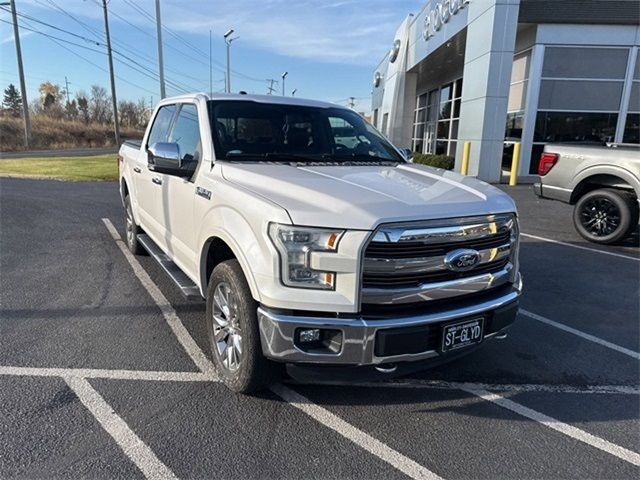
(12, 101)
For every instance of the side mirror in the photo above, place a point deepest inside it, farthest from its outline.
(164, 158)
(407, 153)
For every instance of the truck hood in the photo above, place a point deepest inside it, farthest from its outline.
(362, 197)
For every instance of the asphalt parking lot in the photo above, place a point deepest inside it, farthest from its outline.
(105, 373)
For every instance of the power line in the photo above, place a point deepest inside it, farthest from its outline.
(99, 67)
(180, 87)
(54, 37)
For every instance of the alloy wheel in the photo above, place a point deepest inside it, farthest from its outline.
(600, 216)
(226, 328)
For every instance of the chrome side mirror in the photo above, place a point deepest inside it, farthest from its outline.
(164, 157)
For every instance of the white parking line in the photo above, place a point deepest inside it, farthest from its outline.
(581, 334)
(364, 440)
(320, 414)
(496, 387)
(348, 431)
(134, 448)
(580, 247)
(569, 430)
(170, 315)
(108, 374)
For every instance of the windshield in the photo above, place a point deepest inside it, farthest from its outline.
(247, 130)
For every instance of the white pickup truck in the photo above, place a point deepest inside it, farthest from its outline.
(317, 246)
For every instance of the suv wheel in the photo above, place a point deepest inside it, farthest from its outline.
(132, 230)
(605, 215)
(232, 325)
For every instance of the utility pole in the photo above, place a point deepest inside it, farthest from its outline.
(284, 75)
(23, 87)
(66, 88)
(116, 121)
(210, 65)
(228, 41)
(160, 58)
(270, 87)
(352, 102)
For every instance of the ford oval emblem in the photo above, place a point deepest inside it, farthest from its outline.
(462, 259)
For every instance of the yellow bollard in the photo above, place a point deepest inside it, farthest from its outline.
(515, 164)
(464, 168)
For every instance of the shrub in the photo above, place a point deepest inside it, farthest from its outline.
(59, 133)
(438, 161)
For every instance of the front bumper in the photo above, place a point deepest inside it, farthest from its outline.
(361, 339)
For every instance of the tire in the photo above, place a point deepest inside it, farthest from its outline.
(605, 215)
(232, 318)
(132, 230)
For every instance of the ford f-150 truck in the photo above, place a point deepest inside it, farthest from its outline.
(602, 181)
(318, 247)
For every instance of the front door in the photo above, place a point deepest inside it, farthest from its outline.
(148, 188)
(178, 193)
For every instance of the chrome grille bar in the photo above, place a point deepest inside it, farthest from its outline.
(405, 263)
(427, 264)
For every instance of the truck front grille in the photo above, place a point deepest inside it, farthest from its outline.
(411, 263)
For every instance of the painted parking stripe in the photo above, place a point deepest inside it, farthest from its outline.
(363, 440)
(580, 247)
(147, 375)
(139, 453)
(581, 334)
(318, 413)
(170, 315)
(495, 387)
(569, 430)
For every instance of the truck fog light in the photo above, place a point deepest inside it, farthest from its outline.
(307, 335)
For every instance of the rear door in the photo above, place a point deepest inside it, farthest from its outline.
(147, 183)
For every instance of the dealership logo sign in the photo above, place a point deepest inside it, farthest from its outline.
(439, 15)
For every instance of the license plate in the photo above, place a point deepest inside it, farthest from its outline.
(462, 334)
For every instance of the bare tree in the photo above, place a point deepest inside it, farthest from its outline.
(99, 105)
(83, 106)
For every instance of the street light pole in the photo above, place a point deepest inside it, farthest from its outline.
(23, 87)
(160, 56)
(114, 101)
(284, 75)
(228, 41)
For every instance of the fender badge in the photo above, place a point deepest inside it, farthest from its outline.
(203, 192)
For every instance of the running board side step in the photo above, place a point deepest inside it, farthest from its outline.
(186, 286)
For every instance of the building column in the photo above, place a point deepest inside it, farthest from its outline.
(491, 34)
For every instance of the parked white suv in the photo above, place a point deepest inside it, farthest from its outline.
(314, 241)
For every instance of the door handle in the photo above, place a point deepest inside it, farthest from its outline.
(137, 170)
(157, 180)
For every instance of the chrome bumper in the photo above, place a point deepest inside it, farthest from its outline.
(278, 331)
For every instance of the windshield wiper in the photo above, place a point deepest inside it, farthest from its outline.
(286, 157)
(360, 157)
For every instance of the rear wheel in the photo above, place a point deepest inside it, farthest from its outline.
(132, 230)
(232, 325)
(605, 215)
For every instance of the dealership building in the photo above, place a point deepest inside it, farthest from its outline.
(494, 72)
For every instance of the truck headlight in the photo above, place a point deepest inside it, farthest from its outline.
(295, 245)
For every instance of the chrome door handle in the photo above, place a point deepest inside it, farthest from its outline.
(137, 170)
(156, 180)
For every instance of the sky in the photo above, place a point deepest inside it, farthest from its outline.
(329, 48)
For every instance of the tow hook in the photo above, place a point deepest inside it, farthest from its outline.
(388, 368)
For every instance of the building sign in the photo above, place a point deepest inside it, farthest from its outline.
(439, 15)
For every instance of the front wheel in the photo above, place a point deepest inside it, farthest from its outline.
(232, 326)
(605, 215)
(132, 230)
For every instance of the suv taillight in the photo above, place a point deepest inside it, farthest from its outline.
(547, 161)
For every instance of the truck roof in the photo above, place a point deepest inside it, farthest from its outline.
(255, 98)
